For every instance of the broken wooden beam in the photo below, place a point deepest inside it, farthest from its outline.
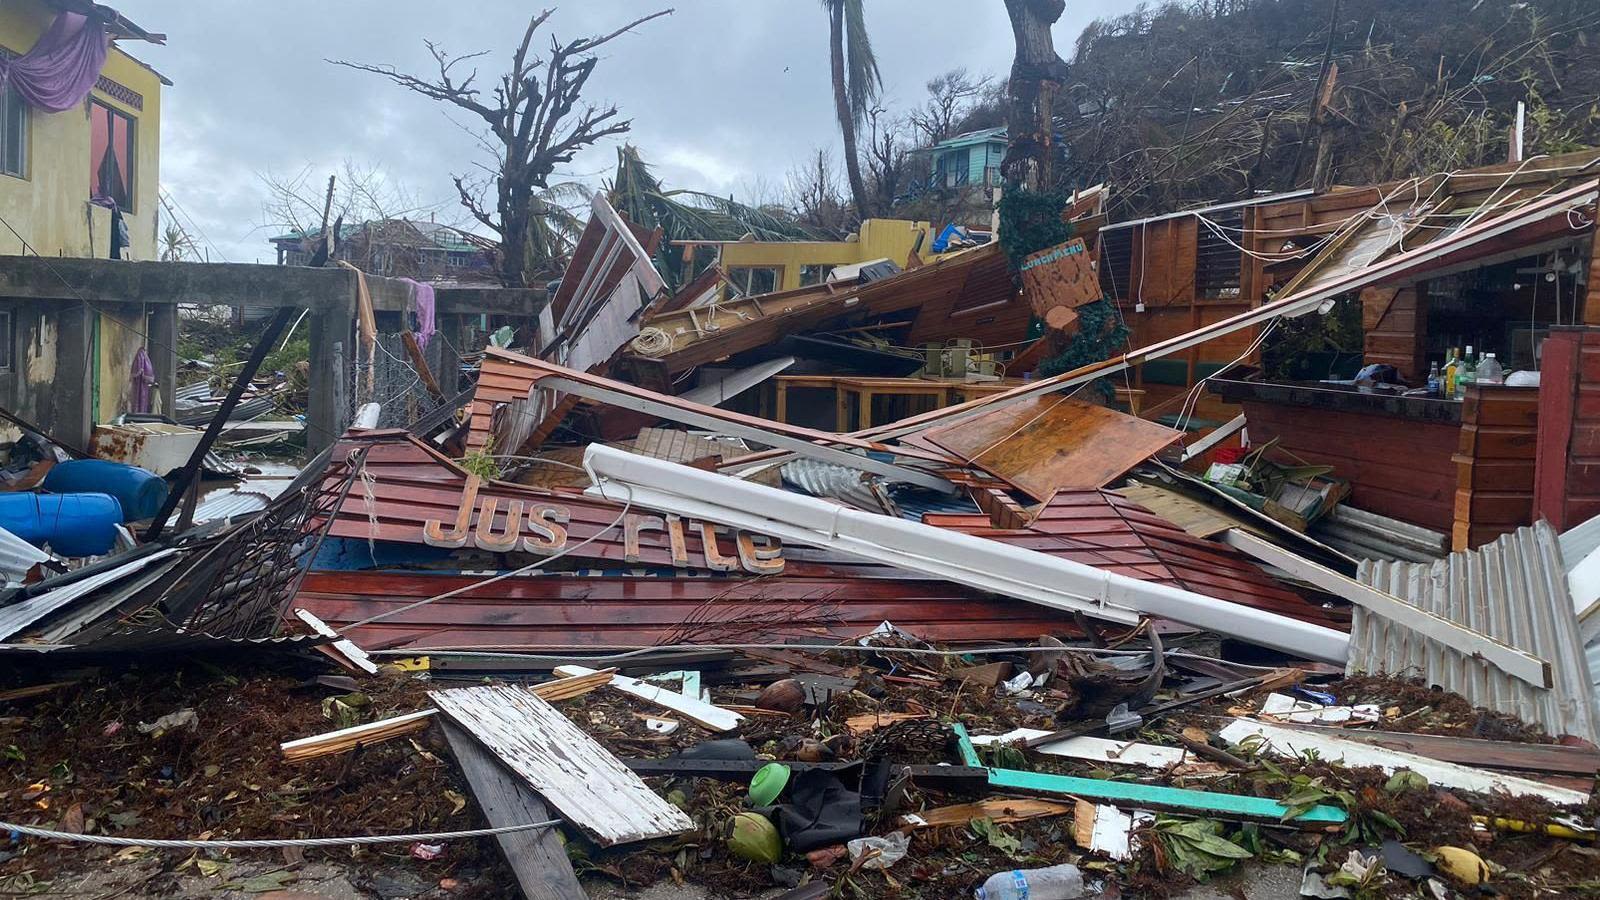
(701, 713)
(537, 858)
(347, 739)
(1549, 758)
(999, 809)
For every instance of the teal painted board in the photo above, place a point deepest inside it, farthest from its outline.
(1155, 796)
(1145, 796)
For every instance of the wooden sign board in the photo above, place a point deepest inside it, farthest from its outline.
(1063, 275)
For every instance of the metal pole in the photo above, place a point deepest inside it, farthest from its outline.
(191, 470)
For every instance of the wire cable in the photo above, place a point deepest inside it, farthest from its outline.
(271, 843)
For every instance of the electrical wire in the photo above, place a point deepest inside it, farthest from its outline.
(627, 504)
(270, 843)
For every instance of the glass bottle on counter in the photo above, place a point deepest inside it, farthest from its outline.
(1489, 371)
(1447, 377)
(1435, 388)
(1466, 372)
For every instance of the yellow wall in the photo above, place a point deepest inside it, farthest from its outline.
(50, 207)
(890, 239)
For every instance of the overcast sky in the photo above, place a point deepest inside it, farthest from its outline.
(724, 95)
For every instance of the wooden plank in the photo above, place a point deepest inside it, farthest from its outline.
(537, 858)
(1047, 445)
(346, 739)
(355, 656)
(1148, 796)
(1282, 741)
(1199, 519)
(1101, 750)
(713, 717)
(1003, 809)
(1549, 758)
(586, 784)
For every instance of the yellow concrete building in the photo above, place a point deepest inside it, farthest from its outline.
(51, 164)
(761, 267)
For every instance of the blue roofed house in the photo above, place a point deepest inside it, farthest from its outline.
(970, 159)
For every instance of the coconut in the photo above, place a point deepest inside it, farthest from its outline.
(783, 696)
(755, 838)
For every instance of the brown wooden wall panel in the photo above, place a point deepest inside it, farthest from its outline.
(1495, 463)
(1394, 321)
(1397, 467)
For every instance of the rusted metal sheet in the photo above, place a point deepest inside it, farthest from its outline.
(1104, 530)
(581, 779)
(625, 610)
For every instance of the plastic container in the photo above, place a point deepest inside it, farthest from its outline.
(72, 524)
(1489, 371)
(1063, 882)
(140, 491)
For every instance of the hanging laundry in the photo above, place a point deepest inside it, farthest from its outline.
(144, 378)
(422, 295)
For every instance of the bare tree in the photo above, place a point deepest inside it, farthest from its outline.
(1036, 76)
(815, 195)
(534, 124)
(949, 97)
(888, 152)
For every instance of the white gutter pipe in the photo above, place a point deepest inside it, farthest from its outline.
(977, 562)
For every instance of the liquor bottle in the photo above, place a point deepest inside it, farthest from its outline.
(1466, 372)
(1447, 379)
(1434, 386)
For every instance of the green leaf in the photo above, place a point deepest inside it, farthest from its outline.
(997, 836)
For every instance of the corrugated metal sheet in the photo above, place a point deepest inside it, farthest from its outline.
(19, 616)
(1368, 535)
(17, 556)
(248, 496)
(1514, 590)
(841, 483)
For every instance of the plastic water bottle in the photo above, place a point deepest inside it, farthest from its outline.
(1063, 882)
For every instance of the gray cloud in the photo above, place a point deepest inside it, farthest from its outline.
(723, 94)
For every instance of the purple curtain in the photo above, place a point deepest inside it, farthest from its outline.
(422, 292)
(62, 66)
(144, 377)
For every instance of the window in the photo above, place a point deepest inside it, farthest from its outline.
(754, 279)
(952, 167)
(13, 133)
(111, 154)
(815, 274)
(1217, 260)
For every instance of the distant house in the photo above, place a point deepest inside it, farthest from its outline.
(398, 248)
(971, 159)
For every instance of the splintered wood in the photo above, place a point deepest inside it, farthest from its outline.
(346, 739)
(1008, 809)
(573, 773)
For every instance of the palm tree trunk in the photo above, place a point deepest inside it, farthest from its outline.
(841, 106)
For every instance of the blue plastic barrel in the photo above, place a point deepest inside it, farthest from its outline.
(140, 491)
(72, 524)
